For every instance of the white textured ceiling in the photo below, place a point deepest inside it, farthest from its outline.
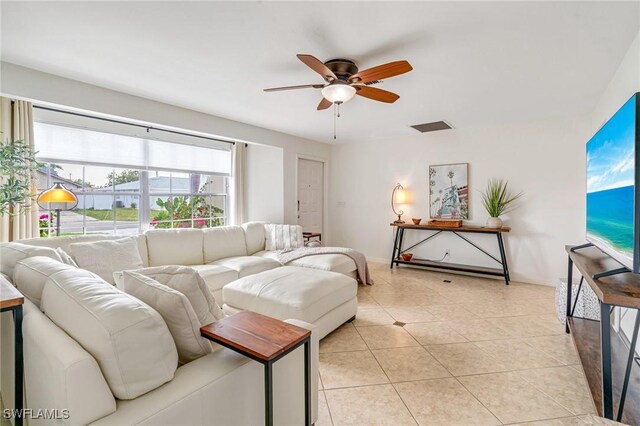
(475, 63)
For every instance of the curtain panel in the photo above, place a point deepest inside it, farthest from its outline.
(16, 123)
(236, 189)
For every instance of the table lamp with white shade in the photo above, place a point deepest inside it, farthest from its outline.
(398, 196)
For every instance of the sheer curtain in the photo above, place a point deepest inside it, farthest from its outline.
(236, 187)
(16, 123)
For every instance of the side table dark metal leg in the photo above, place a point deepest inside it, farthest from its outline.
(307, 382)
(19, 368)
(569, 290)
(268, 394)
(605, 349)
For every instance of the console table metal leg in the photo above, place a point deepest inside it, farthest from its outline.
(627, 373)
(569, 283)
(268, 394)
(395, 247)
(503, 257)
(19, 367)
(605, 354)
(307, 382)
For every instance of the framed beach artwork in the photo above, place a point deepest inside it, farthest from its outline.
(449, 191)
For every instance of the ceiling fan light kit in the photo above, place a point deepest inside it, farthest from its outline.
(338, 93)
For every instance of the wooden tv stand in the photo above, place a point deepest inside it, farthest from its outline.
(604, 355)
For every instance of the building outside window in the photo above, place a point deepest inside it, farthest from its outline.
(127, 184)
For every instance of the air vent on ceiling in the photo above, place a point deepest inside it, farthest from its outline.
(432, 127)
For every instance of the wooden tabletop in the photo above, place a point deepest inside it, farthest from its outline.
(620, 290)
(9, 295)
(464, 228)
(257, 335)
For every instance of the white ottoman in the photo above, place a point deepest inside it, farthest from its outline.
(325, 299)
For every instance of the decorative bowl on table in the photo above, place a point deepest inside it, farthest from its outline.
(406, 256)
(416, 220)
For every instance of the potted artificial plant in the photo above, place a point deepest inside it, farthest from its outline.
(18, 166)
(498, 200)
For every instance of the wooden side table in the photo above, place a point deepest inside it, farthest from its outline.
(308, 235)
(12, 300)
(265, 340)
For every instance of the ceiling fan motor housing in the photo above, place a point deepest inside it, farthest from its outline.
(342, 68)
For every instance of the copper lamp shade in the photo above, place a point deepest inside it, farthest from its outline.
(58, 195)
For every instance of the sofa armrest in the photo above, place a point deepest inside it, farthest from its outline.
(60, 374)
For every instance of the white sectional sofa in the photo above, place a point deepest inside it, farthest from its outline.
(221, 388)
(221, 255)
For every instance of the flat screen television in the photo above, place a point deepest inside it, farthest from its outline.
(613, 186)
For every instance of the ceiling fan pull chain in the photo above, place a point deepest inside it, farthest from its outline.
(335, 117)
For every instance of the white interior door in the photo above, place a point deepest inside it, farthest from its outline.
(310, 194)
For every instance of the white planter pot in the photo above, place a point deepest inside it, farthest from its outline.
(494, 222)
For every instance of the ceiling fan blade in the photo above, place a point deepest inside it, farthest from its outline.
(302, 86)
(324, 104)
(376, 94)
(317, 65)
(382, 71)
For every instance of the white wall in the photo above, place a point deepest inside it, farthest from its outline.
(545, 160)
(625, 82)
(264, 179)
(25, 83)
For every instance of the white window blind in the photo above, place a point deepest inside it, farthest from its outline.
(69, 144)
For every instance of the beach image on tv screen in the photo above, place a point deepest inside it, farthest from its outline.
(610, 185)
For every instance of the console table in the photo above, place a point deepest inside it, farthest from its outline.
(607, 361)
(503, 271)
(265, 340)
(12, 300)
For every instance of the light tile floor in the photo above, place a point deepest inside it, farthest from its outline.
(467, 352)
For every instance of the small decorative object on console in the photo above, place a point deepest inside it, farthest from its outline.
(445, 223)
(416, 220)
(406, 256)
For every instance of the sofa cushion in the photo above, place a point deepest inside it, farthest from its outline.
(223, 241)
(175, 309)
(291, 292)
(129, 340)
(283, 237)
(254, 236)
(326, 262)
(65, 242)
(11, 253)
(216, 276)
(247, 265)
(32, 273)
(106, 257)
(187, 281)
(66, 257)
(175, 247)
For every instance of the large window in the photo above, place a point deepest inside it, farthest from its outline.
(128, 184)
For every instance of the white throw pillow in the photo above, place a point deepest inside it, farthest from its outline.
(283, 237)
(188, 282)
(66, 259)
(31, 274)
(175, 309)
(129, 340)
(11, 253)
(106, 257)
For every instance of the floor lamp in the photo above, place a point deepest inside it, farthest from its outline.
(61, 198)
